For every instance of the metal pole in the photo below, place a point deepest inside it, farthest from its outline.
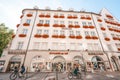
(84, 67)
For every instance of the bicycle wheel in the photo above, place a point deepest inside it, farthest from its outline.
(70, 75)
(13, 76)
(79, 76)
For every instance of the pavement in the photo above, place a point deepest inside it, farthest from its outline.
(63, 76)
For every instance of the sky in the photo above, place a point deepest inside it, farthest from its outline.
(11, 10)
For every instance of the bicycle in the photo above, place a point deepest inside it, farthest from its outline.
(16, 74)
(71, 75)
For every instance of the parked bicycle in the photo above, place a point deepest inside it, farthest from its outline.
(17, 74)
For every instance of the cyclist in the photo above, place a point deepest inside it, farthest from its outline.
(22, 70)
(76, 70)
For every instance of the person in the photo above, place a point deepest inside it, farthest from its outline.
(22, 69)
(76, 70)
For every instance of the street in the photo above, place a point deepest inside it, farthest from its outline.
(63, 76)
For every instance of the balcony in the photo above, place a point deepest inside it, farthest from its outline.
(45, 35)
(37, 35)
(115, 38)
(79, 37)
(22, 35)
(72, 36)
(85, 26)
(91, 27)
(26, 24)
(111, 29)
(61, 36)
(88, 37)
(17, 52)
(118, 49)
(55, 25)
(17, 25)
(102, 28)
(88, 18)
(41, 15)
(39, 24)
(77, 26)
(13, 35)
(56, 16)
(62, 25)
(109, 16)
(61, 16)
(69, 17)
(75, 17)
(107, 39)
(47, 16)
(71, 26)
(21, 16)
(46, 25)
(82, 17)
(94, 37)
(99, 20)
(55, 36)
(29, 15)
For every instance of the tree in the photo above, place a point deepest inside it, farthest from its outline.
(5, 36)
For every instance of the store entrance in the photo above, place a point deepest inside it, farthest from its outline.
(114, 63)
(59, 64)
(15, 61)
(98, 63)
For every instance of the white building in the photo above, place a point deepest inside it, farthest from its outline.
(46, 38)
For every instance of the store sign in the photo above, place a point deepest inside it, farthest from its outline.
(95, 53)
(62, 53)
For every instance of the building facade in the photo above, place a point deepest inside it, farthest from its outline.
(46, 39)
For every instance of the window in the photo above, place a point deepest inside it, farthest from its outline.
(72, 46)
(104, 34)
(71, 33)
(77, 33)
(62, 32)
(36, 45)
(54, 46)
(113, 35)
(86, 33)
(90, 23)
(76, 23)
(109, 47)
(56, 21)
(97, 47)
(84, 23)
(47, 22)
(61, 14)
(61, 22)
(92, 33)
(20, 45)
(117, 45)
(90, 46)
(100, 25)
(46, 32)
(55, 32)
(70, 22)
(44, 46)
(62, 46)
(28, 21)
(79, 46)
(39, 31)
(24, 31)
(41, 21)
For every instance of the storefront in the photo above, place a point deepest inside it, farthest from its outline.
(15, 61)
(115, 63)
